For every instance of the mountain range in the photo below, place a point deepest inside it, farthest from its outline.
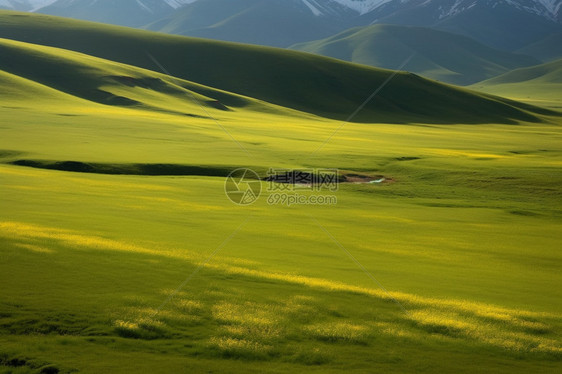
(24, 5)
(436, 54)
(504, 24)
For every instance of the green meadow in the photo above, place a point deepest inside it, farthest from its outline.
(121, 253)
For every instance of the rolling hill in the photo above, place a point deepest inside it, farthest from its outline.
(549, 73)
(439, 55)
(54, 71)
(546, 49)
(540, 85)
(304, 82)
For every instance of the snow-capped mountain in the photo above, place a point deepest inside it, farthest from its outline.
(178, 3)
(278, 23)
(367, 9)
(545, 8)
(134, 13)
(24, 5)
(549, 9)
(504, 24)
(359, 6)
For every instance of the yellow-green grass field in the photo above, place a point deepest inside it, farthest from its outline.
(466, 239)
(137, 273)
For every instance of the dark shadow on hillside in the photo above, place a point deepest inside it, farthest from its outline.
(126, 169)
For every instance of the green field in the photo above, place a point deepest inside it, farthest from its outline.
(450, 265)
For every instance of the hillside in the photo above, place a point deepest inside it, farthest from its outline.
(539, 85)
(54, 72)
(308, 83)
(546, 49)
(549, 73)
(439, 55)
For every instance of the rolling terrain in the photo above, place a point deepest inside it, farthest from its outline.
(546, 49)
(539, 85)
(120, 251)
(303, 82)
(438, 55)
(110, 83)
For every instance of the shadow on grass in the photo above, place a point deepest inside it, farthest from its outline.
(126, 169)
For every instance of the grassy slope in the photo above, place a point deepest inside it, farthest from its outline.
(106, 82)
(439, 55)
(314, 84)
(547, 73)
(87, 258)
(538, 85)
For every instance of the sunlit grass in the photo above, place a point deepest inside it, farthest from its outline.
(339, 332)
(248, 328)
(240, 348)
(502, 334)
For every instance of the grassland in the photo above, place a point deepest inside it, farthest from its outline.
(466, 240)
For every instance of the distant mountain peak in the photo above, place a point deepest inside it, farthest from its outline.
(359, 6)
(545, 8)
(25, 5)
(179, 3)
(504, 24)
